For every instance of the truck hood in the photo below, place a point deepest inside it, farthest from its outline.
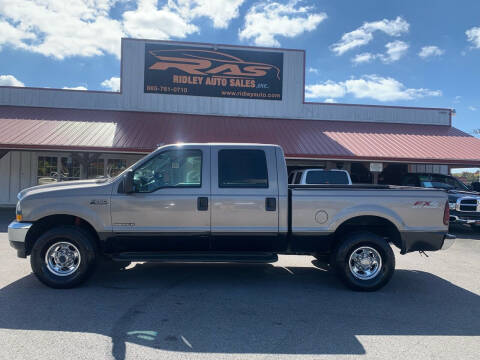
(61, 186)
(453, 195)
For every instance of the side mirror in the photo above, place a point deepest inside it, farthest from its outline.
(128, 182)
(476, 186)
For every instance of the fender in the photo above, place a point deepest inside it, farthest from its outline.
(365, 210)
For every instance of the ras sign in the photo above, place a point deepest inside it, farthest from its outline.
(203, 71)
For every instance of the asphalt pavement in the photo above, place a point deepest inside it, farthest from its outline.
(293, 309)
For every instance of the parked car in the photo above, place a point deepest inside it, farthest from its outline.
(319, 176)
(464, 202)
(222, 203)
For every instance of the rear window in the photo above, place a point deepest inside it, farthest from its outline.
(326, 177)
(242, 169)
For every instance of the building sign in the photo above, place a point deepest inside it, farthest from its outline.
(204, 71)
(376, 167)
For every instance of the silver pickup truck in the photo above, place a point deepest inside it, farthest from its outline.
(222, 203)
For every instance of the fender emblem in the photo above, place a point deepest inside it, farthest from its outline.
(98, 202)
(426, 204)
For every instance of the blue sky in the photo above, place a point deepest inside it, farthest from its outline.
(357, 51)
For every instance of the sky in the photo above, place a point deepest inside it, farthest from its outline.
(410, 53)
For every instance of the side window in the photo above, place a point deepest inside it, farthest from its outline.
(242, 169)
(96, 169)
(47, 167)
(171, 168)
(116, 166)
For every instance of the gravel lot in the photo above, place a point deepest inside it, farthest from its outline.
(292, 309)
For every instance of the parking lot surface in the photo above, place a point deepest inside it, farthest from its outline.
(293, 309)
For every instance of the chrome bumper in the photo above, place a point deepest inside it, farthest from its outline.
(17, 232)
(448, 241)
(458, 220)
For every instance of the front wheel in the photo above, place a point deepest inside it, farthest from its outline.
(364, 261)
(63, 257)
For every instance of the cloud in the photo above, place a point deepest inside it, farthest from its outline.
(364, 34)
(473, 36)
(221, 12)
(472, 108)
(10, 80)
(368, 86)
(147, 21)
(431, 50)
(112, 84)
(313, 70)
(395, 51)
(61, 29)
(329, 101)
(363, 58)
(266, 21)
(75, 88)
(328, 89)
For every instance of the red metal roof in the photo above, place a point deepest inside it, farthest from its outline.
(127, 131)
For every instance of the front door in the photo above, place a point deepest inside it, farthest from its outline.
(169, 209)
(244, 198)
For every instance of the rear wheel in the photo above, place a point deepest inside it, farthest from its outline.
(63, 257)
(364, 261)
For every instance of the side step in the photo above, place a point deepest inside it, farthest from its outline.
(193, 257)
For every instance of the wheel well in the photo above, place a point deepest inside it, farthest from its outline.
(375, 224)
(44, 224)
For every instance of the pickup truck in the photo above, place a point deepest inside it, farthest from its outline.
(464, 201)
(222, 203)
(319, 176)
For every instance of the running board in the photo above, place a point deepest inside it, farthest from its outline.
(193, 257)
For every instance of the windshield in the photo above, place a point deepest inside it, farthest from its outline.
(326, 177)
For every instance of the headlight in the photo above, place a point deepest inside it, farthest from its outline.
(452, 205)
(18, 212)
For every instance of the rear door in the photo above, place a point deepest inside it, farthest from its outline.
(244, 192)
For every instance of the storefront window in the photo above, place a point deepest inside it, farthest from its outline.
(70, 169)
(47, 168)
(96, 169)
(116, 166)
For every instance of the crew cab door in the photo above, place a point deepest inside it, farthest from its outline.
(170, 206)
(244, 198)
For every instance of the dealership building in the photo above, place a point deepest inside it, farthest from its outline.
(175, 92)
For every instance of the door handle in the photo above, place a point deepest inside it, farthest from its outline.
(202, 203)
(271, 204)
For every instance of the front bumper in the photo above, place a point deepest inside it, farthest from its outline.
(461, 217)
(17, 233)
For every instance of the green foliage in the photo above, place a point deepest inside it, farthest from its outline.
(468, 177)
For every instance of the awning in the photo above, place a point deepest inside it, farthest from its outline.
(140, 132)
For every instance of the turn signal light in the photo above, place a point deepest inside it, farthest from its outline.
(19, 217)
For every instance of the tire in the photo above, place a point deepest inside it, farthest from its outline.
(370, 275)
(80, 248)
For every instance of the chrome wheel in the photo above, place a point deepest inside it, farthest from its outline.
(62, 258)
(365, 263)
